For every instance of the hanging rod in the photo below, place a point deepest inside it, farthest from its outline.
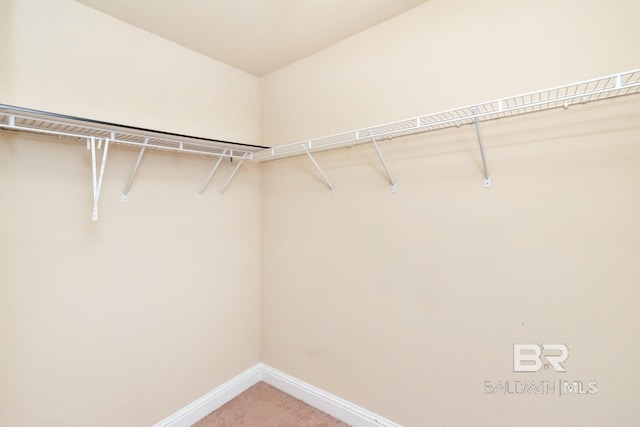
(43, 122)
(626, 83)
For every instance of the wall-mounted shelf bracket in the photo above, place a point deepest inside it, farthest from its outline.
(226, 184)
(384, 164)
(97, 179)
(487, 178)
(125, 193)
(306, 150)
(213, 171)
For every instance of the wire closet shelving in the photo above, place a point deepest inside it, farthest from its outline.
(625, 83)
(42, 122)
(98, 134)
(615, 85)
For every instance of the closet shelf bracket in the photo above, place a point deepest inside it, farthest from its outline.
(233, 173)
(97, 178)
(384, 164)
(125, 193)
(315, 163)
(213, 171)
(487, 178)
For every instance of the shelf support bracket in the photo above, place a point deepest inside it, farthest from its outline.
(125, 193)
(213, 171)
(306, 150)
(97, 179)
(487, 178)
(384, 164)
(233, 173)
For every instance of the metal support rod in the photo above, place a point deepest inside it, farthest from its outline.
(92, 146)
(487, 178)
(333, 191)
(103, 164)
(226, 184)
(125, 193)
(384, 164)
(213, 171)
(97, 180)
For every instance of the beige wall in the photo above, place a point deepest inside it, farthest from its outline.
(65, 57)
(446, 54)
(123, 321)
(6, 29)
(406, 303)
(403, 303)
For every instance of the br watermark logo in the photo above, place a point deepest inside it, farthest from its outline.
(529, 357)
(532, 358)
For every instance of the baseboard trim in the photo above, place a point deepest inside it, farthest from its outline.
(211, 401)
(333, 405)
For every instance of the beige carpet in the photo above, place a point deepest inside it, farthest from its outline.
(265, 406)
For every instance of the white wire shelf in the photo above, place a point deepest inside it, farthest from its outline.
(26, 120)
(99, 135)
(615, 85)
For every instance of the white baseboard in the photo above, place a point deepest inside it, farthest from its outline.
(333, 405)
(211, 401)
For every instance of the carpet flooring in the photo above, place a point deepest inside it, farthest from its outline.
(265, 406)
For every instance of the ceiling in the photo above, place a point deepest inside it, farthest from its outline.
(257, 36)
